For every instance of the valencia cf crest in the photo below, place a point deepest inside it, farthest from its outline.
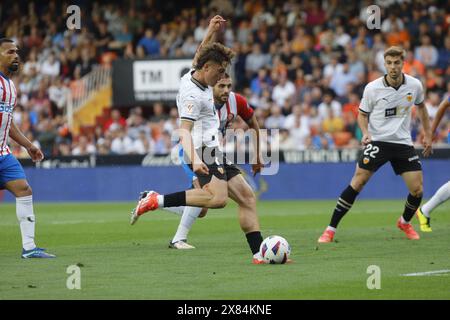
(366, 160)
(409, 97)
(220, 169)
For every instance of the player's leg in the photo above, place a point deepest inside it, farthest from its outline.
(374, 155)
(13, 179)
(240, 191)
(407, 164)
(423, 213)
(189, 215)
(25, 214)
(213, 194)
(414, 182)
(345, 202)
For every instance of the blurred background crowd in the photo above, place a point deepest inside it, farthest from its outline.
(302, 65)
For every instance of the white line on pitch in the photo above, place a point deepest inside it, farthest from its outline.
(427, 273)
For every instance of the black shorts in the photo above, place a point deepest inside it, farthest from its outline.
(217, 164)
(403, 158)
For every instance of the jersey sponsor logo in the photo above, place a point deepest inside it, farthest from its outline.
(6, 108)
(391, 112)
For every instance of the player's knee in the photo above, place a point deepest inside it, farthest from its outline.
(203, 212)
(23, 191)
(358, 184)
(219, 202)
(248, 199)
(417, 191)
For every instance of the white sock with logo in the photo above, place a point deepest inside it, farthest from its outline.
(190, 214)
(24, 211)
(439, 197)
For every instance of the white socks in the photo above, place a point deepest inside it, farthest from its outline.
(331, 229)
(24, 211)
(440, 196)
(176, 210)
(190, 214)
(160, 199)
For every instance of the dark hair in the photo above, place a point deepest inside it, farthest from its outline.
(215, 52)
(5, 40)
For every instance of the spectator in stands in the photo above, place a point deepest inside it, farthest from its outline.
(283, 91)
(51, 66)
(329, 103)
(276, 119)
(83, 147)
(340, 79)
(255, 60)
(427, 53)
(121, 142)
(46, 137)
(150, 43)
(158, 113)
(142, 145)
(116, 121)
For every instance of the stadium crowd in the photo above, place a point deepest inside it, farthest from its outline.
(302, 65)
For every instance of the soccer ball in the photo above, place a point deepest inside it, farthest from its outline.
(275, 250)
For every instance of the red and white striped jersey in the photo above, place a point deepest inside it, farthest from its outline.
(236, 105)
(8, 100)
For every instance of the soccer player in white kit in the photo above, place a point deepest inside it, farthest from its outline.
(12, 176)
(443, 193)
(229, 105)
(199, 137)
(384, 118)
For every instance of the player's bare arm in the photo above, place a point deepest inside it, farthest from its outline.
(439, 115)
(363, 123)
(214, 26)
(188, 146)
(427, 140)
(34, 152)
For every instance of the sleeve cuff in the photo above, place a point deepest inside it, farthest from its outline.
(365, 112)
(187, 118)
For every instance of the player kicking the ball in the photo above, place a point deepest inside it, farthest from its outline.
(12, 176)
(199, 137)
(443, 193)
(384, 118)
(229, 105)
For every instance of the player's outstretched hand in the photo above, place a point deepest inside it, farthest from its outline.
(200, 168)
(427, 146)
(366, 139)
(216, 23)
(35, 153)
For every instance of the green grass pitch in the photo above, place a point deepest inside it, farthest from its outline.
(119, 261)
